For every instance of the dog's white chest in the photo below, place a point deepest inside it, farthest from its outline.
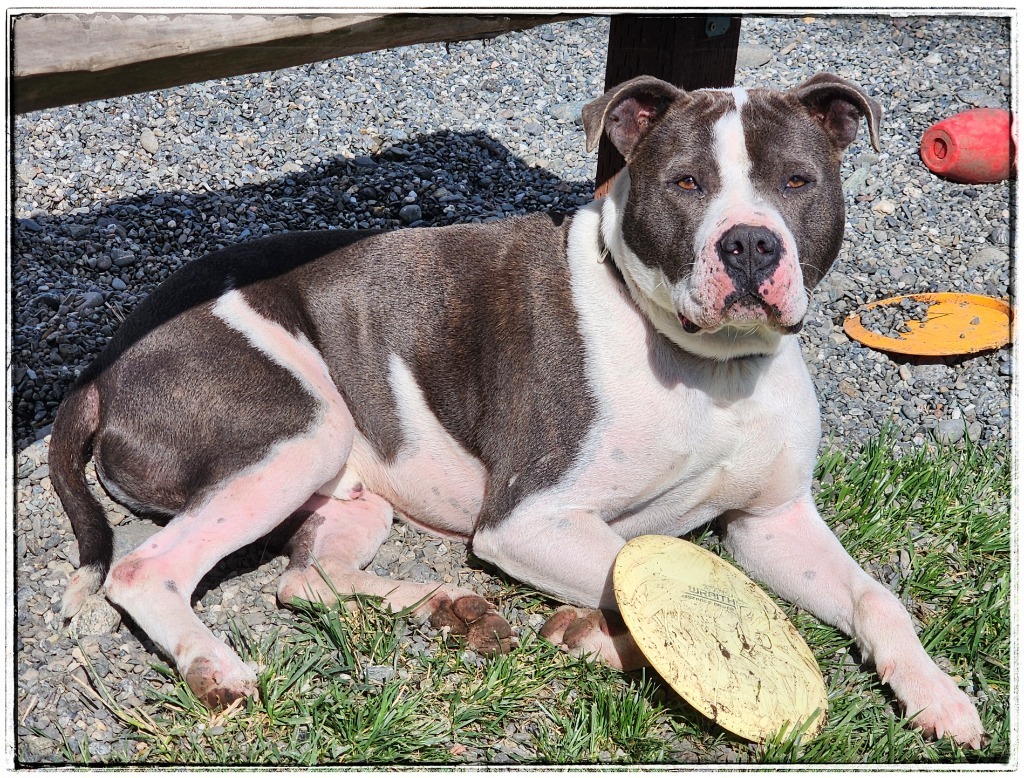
(665, 460)
(681, 440)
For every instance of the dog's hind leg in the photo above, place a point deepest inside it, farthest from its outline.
(154, 583)
(245, 499)
(336, 538)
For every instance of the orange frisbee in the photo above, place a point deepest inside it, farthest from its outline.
(954, 323)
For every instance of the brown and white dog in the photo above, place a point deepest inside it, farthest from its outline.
(543, 389)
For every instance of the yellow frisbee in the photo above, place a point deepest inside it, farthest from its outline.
(953, 323)
(718, 639)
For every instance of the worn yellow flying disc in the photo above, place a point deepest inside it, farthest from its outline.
(954, 323)
(718, 639)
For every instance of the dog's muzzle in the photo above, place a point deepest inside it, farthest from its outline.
(750, 256)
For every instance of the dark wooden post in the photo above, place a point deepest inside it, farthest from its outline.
(688, 51)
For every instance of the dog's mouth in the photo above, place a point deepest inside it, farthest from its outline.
(746, 311)
(689, 327)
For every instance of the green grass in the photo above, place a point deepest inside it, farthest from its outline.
(345, 688)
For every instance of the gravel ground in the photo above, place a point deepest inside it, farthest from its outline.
(114, 195)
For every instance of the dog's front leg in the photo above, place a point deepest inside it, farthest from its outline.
(569, 554)
(795, 553)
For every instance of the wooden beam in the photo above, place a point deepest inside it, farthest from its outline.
(689, 51)
(73, 58)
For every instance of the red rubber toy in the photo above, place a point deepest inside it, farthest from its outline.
(972, 147)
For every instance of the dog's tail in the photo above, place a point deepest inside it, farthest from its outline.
(71, 440)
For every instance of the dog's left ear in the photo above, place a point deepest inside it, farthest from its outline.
(838, 104)
(628, 111)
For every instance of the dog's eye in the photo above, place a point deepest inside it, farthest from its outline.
(689, 183)
(795, 182)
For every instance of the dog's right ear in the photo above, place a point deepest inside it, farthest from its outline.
(627, 112)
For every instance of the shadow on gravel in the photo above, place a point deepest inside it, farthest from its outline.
(102, 261)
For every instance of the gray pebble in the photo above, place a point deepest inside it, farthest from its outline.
(90, 300)
(979, 98)
(378, 674)
(931, 373)
(989, 257)
(97, 617)
(148, 141)
(753, 55)
(99, 748)
(398, 153)
(974, 431)
(410, 213)
(568, 112)
(949, 431)
(122, 258)
(1000, 235)
(854, 183)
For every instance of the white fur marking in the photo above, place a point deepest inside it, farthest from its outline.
(292, 352)
(298, 356)
(647, 285)
(733, 159)
(739, 94)
(434, 479)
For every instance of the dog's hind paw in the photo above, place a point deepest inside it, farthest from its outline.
(472, 617)
(217, 686)
(596, 634)
(82, 584)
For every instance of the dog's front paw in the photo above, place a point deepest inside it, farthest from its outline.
(473, 617)
(217, 684)
(938, 707)
(594, 633)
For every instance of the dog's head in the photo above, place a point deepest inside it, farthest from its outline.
(731, 207)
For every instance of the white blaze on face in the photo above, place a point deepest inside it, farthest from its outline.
(736, 195)
(731, 153)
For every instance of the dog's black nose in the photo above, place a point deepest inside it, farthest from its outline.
(750, 254)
